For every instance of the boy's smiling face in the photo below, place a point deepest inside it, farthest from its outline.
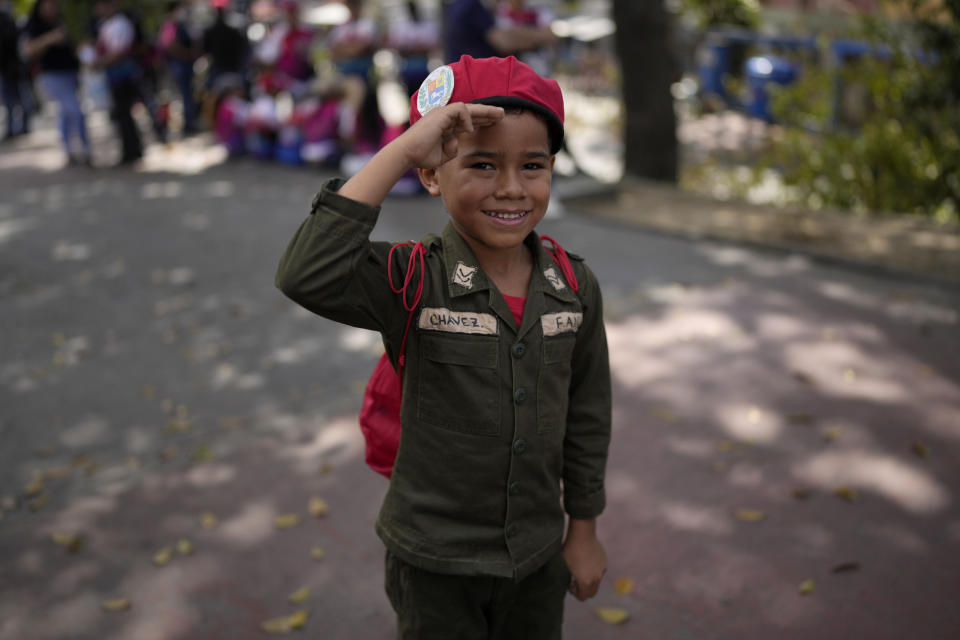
(498, 187)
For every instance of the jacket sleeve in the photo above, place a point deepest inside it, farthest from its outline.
(333, 269)
(589, 414)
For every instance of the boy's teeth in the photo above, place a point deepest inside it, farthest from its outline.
(505, 216)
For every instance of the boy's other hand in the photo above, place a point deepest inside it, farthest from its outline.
(432, 141)
(585, 557)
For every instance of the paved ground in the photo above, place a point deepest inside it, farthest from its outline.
(150, 373)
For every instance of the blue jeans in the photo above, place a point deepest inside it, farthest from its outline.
(18, 109)
(61, 86)
(182, 74)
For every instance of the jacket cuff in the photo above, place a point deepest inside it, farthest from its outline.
(328, 199)
(584, 506)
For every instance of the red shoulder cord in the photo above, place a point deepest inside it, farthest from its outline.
(417, 254)
(563, 261)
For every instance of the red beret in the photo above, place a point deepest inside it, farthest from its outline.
(502, 82)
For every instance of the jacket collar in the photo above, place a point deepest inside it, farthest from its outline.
(465, 276)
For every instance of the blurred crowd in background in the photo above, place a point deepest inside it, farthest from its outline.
(324, 81)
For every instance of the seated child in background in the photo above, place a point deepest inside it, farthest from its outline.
(506, 384)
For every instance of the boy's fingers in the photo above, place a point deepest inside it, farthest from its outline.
(464, 119)
(484, 115)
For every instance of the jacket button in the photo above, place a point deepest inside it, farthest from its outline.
(518, 350)
(520, 395)
(513, 488)
(519, 445)
(512, 530)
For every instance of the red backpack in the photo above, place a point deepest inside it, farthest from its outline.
(380, 414)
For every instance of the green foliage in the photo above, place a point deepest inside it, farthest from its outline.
(729, 13)
(882, 133)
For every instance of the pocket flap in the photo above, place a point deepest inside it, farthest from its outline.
(560, 349)
(468, 351)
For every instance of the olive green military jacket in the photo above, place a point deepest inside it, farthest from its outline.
(496, 418)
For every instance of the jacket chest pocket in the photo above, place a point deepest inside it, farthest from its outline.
(553, 386)
(458, 386)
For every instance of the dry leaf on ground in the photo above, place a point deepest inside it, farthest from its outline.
(39, 502)
(202, 454)
(725, 446)
(623, 586)
(749, 515)
(298, 620)
(286, 521)
(277, 625)
(162, 558)
(845, 567)
(299, 595)
(286, 624)
(832, 433)
(72, 542)
(806, 587)
(184, 547)
(848, 494)
(318, 507)
(666, 414)
(55, 473)
(115, 604)
(208, 520)
(317, 553)
(920, 449)
(35, 487)
(612, 615)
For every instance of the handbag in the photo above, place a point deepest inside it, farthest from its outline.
(380, 413)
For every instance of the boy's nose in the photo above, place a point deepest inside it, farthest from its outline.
(509, 185)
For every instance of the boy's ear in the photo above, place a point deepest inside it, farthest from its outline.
(428, 178)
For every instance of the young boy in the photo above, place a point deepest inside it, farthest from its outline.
(506, 383)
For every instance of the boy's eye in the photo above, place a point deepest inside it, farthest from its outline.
(533, 166)
(482, 165)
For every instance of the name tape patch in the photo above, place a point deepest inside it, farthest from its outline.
(441, 319)
(563, 322)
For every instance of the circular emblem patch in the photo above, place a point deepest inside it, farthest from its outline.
(435, 90)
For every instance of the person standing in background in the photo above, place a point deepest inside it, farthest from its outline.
(512, 14)
(115, 39)
(414, 38)
(294, 63)
(181, 51)
(50, 48)
(225, 46)
(352, 45)
(12, 73)
(470, 28)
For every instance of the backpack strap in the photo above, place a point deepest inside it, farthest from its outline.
(563, 261)
(418, 253)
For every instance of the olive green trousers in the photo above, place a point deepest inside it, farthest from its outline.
(433, 606)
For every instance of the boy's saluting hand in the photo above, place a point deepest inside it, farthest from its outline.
(429, 143)
(432, 141)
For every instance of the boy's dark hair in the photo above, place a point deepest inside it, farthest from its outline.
(520, 109)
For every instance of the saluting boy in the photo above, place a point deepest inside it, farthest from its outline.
(506, 383)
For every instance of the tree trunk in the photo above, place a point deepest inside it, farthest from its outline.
(648, 69)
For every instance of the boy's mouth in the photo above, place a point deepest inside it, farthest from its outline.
(506, 216)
